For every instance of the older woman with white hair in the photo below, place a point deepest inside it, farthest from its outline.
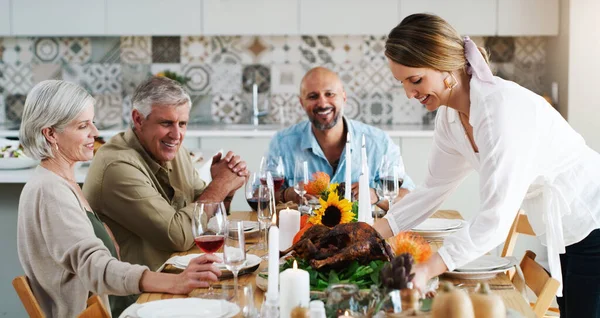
(64, 248)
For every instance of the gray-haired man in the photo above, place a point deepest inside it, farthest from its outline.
(142, 182)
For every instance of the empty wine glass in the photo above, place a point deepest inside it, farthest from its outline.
(273, 164)
(208, 227)
(234, 251)
(391, 177)
(265, 213)
(301, 178)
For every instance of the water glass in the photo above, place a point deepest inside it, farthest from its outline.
(234, 251)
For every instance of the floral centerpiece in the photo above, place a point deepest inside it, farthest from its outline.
(335, 209)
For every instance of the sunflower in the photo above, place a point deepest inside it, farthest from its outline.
(333, 211)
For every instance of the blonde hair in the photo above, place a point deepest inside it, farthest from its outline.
(427, 41)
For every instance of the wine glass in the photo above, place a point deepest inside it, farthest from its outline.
(273, 164)
(234, 251)
(257, 197)
(301, 178)
(208, 227)
(265, 214)
(391, 177)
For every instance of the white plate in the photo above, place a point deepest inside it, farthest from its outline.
(183, 261)
(482, 274)
(17, 163)
(485, 263)
(436, 225)
(188, 307)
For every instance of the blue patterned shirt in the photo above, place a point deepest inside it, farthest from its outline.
(299, 142)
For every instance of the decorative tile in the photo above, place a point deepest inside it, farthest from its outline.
(502, 49)
(531, 75)
(134, 75)
(352, 109)
(227, 108)
(199, 75)
(42, 72)
(373, 48)
(2, 79)
(286, 78)
(346, 49)
(227, 78)
(377, 109)
(16, 78)
(282, 49)
(106, 50)
(46, 50)
(257, 47)
(429, 118)
(136, 49)
(127, 107)
(16, 51)
(316, 49)
(405, 110)
(166, 49)
(156, 68)
(201, 109)
(108, 111)
(2, 110)
(96, 78)
(530, 50)
(195, 49)
(503, 70)
(353, 77)
(378, 77)
(285, 109)
(15, 103)
(76, 50)
(259, 74)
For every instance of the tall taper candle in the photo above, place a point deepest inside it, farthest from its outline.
(348, 177)
(273, 287)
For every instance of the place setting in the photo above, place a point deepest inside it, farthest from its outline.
(437, 228)
(183, 307)
(484, 267)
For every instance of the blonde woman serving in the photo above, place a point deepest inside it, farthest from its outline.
(526, 155)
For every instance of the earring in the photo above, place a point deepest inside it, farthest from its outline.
(448, 84)
(56, 146)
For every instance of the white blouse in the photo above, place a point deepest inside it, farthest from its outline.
(528, 157)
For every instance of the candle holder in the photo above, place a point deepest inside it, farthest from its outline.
(270, 308)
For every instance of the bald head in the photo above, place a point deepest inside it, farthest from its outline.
(320, 77)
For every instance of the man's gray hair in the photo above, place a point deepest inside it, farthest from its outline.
(50, 103)
(159, 91)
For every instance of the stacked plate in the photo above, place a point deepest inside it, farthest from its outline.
(250, 227)
(183, 307)
(252, 263)
(485, 267)
(436, 228)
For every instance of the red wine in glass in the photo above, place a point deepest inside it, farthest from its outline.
(277, 182)
(209, 243)
(254, 203)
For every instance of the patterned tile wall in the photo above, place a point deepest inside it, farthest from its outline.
(221, 71)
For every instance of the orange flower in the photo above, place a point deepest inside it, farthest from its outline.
(318, 184)
(408, 242)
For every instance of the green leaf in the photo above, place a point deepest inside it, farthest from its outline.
(333, 277)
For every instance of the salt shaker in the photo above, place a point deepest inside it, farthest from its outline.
(317, 309)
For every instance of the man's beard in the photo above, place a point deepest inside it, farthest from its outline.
(318, 125)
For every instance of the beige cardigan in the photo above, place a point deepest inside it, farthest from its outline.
(59, 252)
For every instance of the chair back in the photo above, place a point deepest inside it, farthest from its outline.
(23, 289)
(95, 309)
(539, 281)
(520, 226)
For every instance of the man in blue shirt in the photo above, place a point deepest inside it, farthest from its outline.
(321, 139)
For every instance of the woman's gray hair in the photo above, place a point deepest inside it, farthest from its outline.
(50, 103)
(159, 91)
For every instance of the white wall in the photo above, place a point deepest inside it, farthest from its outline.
(557, 59)
(584, 70)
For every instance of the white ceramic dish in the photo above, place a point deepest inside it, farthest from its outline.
(436, 225)
(17, 163)
(252, 261)
(187, 307)
(482, 274)
(485, 263)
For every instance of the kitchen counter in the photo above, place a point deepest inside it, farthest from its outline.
(244, 130)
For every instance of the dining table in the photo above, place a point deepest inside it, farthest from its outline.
(500, 284)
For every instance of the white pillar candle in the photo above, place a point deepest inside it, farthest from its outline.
(273, 287)
(289, 225)
(295, 287)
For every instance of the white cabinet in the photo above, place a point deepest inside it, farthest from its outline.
(250, 17)
(59, 17)
(348, 16)
(482, 19)
(4, 17)
(153, 17)
(528, 17)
